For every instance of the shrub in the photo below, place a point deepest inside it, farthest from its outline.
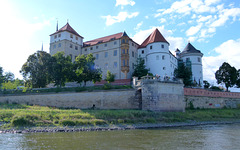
(68, 123)
(24, 120)
(107, 86)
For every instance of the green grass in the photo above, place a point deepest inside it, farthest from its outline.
(64, 89)
(15, 115)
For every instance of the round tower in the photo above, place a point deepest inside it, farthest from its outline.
(193, 59)
(158, 58)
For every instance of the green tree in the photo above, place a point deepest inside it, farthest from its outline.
(206, 84)
(61, 69)
(36, 70)
(9, 76)
(226, 75)
(184, 73)
(140, 69)
(85, 71)
(110, 77)
(238, 79)
(1, 76)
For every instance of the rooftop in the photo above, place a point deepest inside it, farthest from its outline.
(68, 28)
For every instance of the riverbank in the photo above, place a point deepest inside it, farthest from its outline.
(15, 118)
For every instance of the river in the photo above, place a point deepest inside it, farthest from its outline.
(207, 137)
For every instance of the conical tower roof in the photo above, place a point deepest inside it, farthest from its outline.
(190, 49)
(68, 28)
(155, 36)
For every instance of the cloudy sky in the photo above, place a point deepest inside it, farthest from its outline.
(212, 26)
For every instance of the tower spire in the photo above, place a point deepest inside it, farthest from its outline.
(57, 25)
(42, 47)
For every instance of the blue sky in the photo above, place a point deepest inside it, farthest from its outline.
(212, 26)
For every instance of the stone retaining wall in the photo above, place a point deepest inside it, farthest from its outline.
(114, 99)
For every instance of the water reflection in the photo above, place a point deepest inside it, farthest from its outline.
(216, 137)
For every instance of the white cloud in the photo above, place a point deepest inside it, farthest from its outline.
(162, 20)
(193, 30)
(175, 42)
(138, 25)
(227, 52)
(204, 18)
(210, 2)
(124, 2)
(225, 15)
(122, 16)
(15, 36)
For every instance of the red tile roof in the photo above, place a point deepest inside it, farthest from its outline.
(68, 28)
(155, 36)
(103, 39)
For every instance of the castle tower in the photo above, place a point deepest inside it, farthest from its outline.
(66, 40)
(193, 59)
(155, 52)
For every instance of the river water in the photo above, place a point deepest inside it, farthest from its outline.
(208, 137)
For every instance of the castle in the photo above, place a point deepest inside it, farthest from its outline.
(118, 53)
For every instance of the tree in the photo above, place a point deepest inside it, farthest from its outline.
(110, 77)
(140, 69)
(61, 69)
(37, 69)
(185, 73)
(206, 84)
(9, 76)
(1, 76)
(238, 79)
(227, 75)
(85, 71)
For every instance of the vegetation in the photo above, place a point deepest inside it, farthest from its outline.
(1, 76)
(36, 71)
(206, 84)
(110, 77)
(227, 75)
(184, 73)
(85, 71)
(16, 115)
(140, 69)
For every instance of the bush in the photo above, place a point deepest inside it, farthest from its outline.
(68, 123)
(24, 120)
(107, 86)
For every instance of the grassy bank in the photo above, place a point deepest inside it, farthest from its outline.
(15, 115)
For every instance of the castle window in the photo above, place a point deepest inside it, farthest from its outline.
(76, 38)
(163, 57)
(76, 47)
(132, 44)
(97, 56)
(115, 64)
(142, 51)
(133, 65)
(162, 46)
(115, 53)
(70, 56)
(106, 66)
(199, 60)
(75, 57)
(164, 68)
(127, 51)
(123, 51)
(127, 40)
(132, 53)
(150, 47)
(54, 46)
(123, 40)
(96, 47)
(59, 35)
(157, 57)
(59, 44)
(55, 36)
(91, 48)
(106, 54)
(71, 36)
(71, 45)
(115, 42)
(187, 59)
(85, 49)
(124, 63)
(105, 45)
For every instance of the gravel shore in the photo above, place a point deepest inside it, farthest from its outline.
(113, 127)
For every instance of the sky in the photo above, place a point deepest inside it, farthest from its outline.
(211, 26)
